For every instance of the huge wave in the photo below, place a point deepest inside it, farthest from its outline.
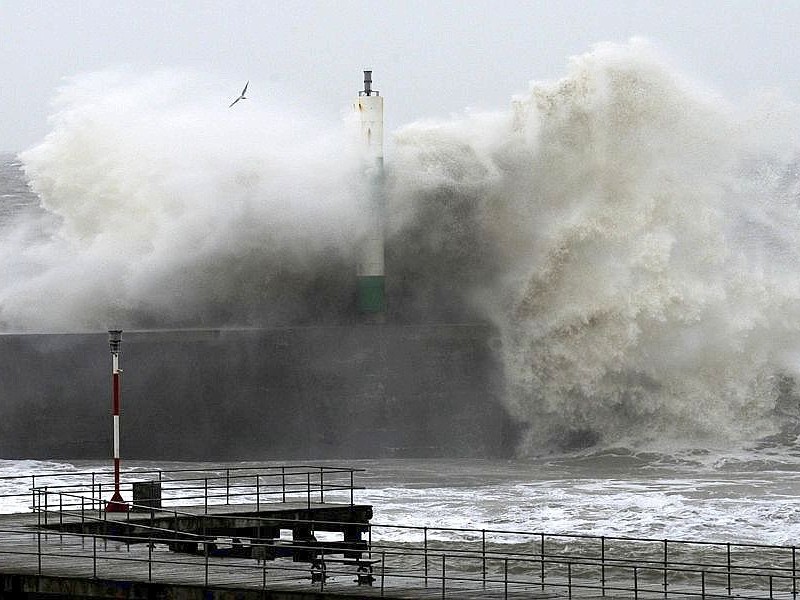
(632, 235)
(642, 238)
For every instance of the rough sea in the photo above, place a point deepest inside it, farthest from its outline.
(704, 495)
(634, 238)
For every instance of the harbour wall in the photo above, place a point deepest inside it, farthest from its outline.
(357, 391)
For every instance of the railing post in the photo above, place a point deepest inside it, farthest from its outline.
(444, 575)
(569, 580)
(258, 493)
(603, 565)
(39, 548)
(33, 493)
(205, 546)
(541, 575)
(150, 560)
(351, 487)
(92, 489)
(483, 555)
(227, 486)
(321, 486)
(205, 496)
(425, 550)
(45, 505)
(770, 587)
(60, 509)
(729, 568)
(99, 497)
(794, 572)
(505, 578)
(82, 510)
(308, 489)
(666, 566)
(283, 483)
(635, 583)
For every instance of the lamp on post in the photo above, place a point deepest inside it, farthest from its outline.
(116, 503)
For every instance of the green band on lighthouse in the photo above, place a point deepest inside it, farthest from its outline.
(371, 294)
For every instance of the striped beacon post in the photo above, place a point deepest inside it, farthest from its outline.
(116, 504)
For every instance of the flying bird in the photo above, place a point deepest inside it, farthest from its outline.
(242, 95)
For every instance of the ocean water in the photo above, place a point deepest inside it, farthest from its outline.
(741, 497)
(633, 236)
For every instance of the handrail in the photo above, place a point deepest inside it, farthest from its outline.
(452, 549)
(183, 470)
(423, 555)
(103, 476)
(448, 571)
(213, 485)
(535, 536)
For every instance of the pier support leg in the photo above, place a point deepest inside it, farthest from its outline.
(352, 539)
(303, 536)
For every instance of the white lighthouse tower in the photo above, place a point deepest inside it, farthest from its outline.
(371, 274)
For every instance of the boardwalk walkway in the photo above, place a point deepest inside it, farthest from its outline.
(44, 561)
(212, 541)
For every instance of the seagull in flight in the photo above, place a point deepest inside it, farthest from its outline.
(242, 95)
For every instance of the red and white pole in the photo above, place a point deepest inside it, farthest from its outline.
(116, 504)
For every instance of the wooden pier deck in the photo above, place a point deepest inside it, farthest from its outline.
(216, 543)
(43, 562)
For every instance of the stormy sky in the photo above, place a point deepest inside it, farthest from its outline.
(431, 59)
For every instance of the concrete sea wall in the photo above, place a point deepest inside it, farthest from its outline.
(367, 391)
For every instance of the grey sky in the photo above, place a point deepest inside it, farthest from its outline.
(430, 58)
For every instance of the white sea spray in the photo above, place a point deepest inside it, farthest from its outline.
(632, 235)
(644, 239)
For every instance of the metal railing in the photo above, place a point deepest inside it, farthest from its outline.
(252, 484)
(445, 561)
(396, 567)
(594, 565)
(498, 563)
